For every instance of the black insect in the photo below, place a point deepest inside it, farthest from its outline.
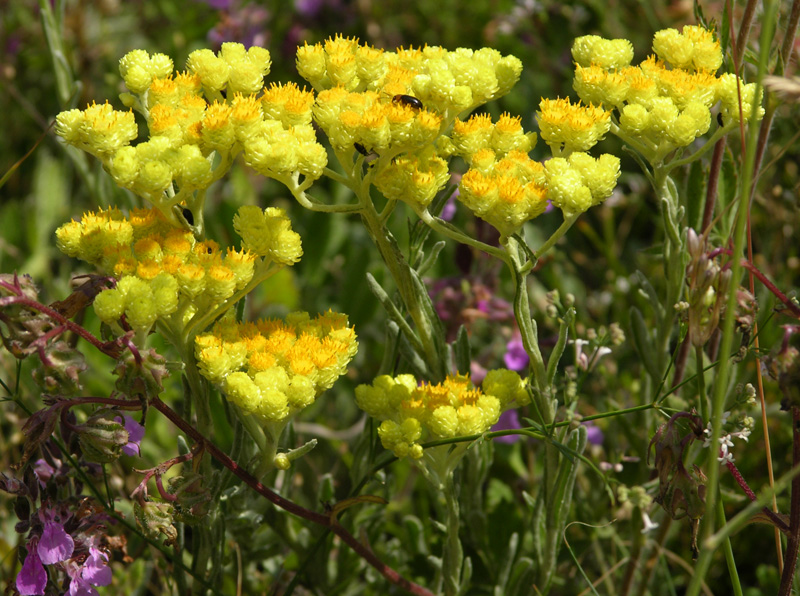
(719, 120)
(361, 149)
(408, 100)
(188, 216)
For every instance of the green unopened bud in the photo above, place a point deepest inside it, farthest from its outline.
(102, 438)
(192, 498)
(155, 519)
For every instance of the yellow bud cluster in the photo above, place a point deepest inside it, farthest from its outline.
(288, 103)
(138, 69)
(694, 48)
(268, 234)
(151, 167)
(568, 127)
(478, 133)
(446, 82)
(287, 364)
(728, 95)
(666, 100)
(608, 54)
(411, 412)
(580, 181)
(505, 193)
(414, 178)
(233, 69)
(99, 129)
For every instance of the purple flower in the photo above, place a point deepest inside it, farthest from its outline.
(96, 570)
(80, 587)
(135, 435)
(449, 209)
(218, 4)
(308, 8)
(509, 420)
(43, 471)
(32, 578)
(55, 544)
(594, 434)
(476, 373)
(515, 357)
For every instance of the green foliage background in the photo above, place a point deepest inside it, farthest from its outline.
(596, 262)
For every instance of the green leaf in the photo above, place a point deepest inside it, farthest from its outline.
(463, 353)
(643, 344)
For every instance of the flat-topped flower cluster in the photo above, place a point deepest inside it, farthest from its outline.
(412, 412)
(163, 271)
(665, 102)
(287, 364)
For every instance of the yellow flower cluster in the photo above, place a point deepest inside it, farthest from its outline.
(211, 109)
(414, 178)
(479, 132)
(446, 82)
(665, 102)
(568, 127)
(580, 181)
(286, 364)
(505, 192)
(449, 409)
(268, 234)
(398, 100)
(373, 121)
(163, 270)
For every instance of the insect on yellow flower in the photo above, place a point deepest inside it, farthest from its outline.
(408, 100)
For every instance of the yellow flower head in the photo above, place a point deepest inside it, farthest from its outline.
(408, 409)
(506, 193)
(99, 129)
(580, 181)
(288, 364)
(268, 234)
(692, 49)
(591, 50)
(574, 126)
(414, 179)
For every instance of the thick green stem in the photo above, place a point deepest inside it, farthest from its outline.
(402, 274)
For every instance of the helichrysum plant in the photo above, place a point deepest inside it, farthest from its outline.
(392, 127)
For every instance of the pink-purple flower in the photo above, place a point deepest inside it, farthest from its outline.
(516, 358)
(32, 578)
(135, 435)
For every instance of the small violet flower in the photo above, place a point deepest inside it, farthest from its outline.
(32, 578)
(515, 357)
(593, 433)
(135, 435)
(508, 420)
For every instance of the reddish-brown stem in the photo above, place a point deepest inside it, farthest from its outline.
(293, 508)
(793, 543)
(791, 306)
(737, 475)
(113, 349)
(158, 472)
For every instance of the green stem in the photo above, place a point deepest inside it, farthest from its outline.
(556, 236)
(701, 385)
(453, 555)
(721, 381)
(730, 560)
